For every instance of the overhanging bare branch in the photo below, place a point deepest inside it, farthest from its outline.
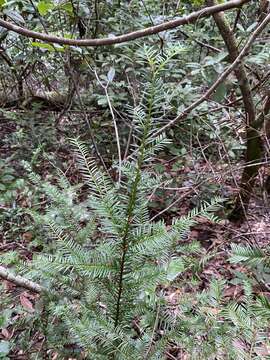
(191, 18)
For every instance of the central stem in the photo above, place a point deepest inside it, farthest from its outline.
(131, 206)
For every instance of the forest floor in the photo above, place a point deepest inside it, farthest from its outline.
(18, 237)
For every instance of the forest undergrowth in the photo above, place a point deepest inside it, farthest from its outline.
(134, 180)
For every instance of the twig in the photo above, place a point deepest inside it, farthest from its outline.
(194, 188)
(21, 281)
(201, 43)
(251, 233)
(153, 334)
(86, 117)
(170, 356)
(175, 202)
(116, 133)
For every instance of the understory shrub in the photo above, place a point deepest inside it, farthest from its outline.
(110, 270)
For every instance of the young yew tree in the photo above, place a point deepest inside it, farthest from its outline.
(105, 258)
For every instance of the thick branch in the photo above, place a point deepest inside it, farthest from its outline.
(20, 281)
(191, 18)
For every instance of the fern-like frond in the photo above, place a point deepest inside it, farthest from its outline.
(261, 308)
(249, 254)
(110, 213)
(155, 145)
(97, 181)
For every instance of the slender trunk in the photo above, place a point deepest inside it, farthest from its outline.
(254, 155)
(254, 143)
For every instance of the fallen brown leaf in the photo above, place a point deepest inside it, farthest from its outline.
(26, 303)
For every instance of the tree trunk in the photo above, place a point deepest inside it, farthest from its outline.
(254, 143)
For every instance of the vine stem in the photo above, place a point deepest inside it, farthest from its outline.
(116, 135)
(105, 87)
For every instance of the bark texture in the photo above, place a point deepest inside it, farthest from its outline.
(20, 281)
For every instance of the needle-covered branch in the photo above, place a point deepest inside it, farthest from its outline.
(191, 18)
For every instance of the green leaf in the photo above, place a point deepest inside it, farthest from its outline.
(220, 93)
(2, 3)
(111, 74)
(48, 47)
(44, 7)
(7, 178)
(67, 7)
(4, 348)
(43, 46)
(102, 100)
(5, 318)
(160, 168)
(175, 268)
(251, 27)
(15, 16)
(197, 2)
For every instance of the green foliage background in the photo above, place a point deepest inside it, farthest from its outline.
(86, 220)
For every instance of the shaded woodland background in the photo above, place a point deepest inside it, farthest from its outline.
(219, 149)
